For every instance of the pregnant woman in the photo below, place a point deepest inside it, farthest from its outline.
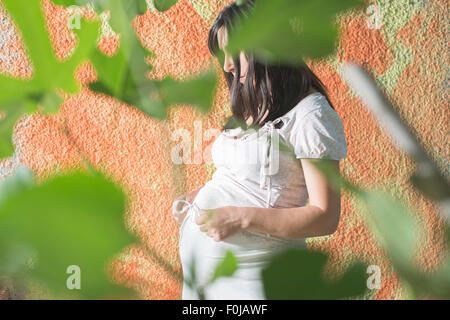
(261, 198)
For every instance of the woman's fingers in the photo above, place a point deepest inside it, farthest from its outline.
(204, 228)
(204, 222)
(203, 217)
(214, 234)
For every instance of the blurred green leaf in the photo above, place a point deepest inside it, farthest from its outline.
(434, 186)
(11, 114)
(51, 102)
(124, 75)
(14, 255)
(333, 177)
(30, 21)
(164, 5)
(447, 237)
(390, 222)
(49, 73)
(289, 30)
(141, 6)
(68, 3)
(69, 220)
(130, 8)
(226, 268)
(398, 233)
(198, 91)
(21, 180)
(125, 79)
(298, 274)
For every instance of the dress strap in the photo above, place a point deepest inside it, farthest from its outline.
(269, 157)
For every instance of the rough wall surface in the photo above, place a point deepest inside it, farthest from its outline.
(402, 43)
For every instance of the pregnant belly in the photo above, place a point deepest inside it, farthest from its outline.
(249, 246)
(252, 251)
(224, 191)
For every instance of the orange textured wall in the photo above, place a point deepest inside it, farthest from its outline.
(402, 43)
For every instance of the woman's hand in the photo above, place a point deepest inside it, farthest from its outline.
(222, 222)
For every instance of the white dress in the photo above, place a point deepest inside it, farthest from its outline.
(251, 172)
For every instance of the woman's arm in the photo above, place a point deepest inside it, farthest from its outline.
(319, 218)
(302, 222)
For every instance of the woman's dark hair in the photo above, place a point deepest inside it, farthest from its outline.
(289, 83)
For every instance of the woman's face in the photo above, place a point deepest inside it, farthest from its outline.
(228, 66)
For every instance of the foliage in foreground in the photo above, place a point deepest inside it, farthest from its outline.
(78, 219)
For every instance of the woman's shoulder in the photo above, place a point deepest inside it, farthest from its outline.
(314, 129)
(314, 102)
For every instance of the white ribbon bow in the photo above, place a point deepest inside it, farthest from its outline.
(270, 156)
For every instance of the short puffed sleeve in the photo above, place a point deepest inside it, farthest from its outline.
(317, 134)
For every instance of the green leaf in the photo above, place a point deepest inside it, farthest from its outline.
(124, 74)
(68, 3)
(14, 255)
(398, 233)
(289, 30)
(434, 186)
(14, 90)
(198, 91)
(125, 79)
(21, 180)
(69, 220)
(112, 73)
(226, 268)
(7, 122)
(447, 236)
(130, 8)
(298, 274)
(48, 72)
(438, 283)
(164, 5)
(30, 21)
(390, 222)
(51, 102)
(140, 7)
(333, 177)
(87, 43)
